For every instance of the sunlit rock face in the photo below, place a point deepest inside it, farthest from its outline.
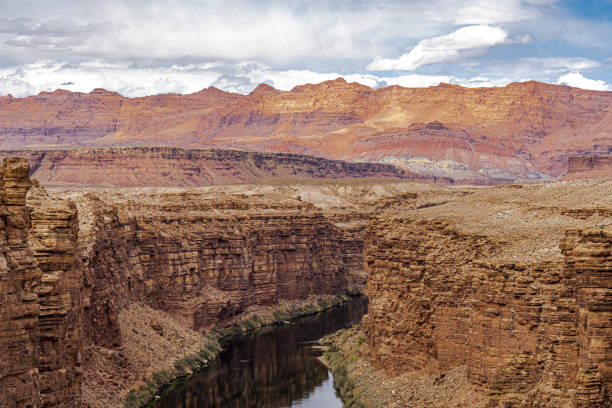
(522, 131)
(512, 283)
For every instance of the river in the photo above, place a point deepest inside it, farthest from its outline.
(271, 368)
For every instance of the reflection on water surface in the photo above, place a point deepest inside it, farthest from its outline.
(269, 369)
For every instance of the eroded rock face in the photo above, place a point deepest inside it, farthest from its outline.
(598, 166)
(523, 131)
(589, 258)
(532, 330)
(40, 324)
(205, 259)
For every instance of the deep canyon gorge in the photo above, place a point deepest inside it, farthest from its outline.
(511, 282)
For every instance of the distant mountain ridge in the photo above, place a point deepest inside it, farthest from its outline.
(162, 166)
(523, 131)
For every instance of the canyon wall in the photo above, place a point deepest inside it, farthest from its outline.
(203, 258)
(588, 259)
(40, 325)
(523, 131)
(171, 167)
(529, 316)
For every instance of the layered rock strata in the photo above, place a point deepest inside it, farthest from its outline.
(170, 167)
(40, 324)
(503, 291)
(201, 257)
(597, 166)
(523, 131)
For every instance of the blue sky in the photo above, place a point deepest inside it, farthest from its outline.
(143, 47)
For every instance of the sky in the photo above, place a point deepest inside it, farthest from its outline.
(144, 47)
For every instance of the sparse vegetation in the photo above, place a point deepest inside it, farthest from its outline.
(214, 337)
(338, 360)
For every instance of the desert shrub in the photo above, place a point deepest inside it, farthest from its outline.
(161, 377)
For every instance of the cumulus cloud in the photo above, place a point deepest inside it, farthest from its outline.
(241, 77)
(470, 41)
(142, 47)
(50, 75)
(271, 31)
(130, 81)
(577, 80)
(54, 34)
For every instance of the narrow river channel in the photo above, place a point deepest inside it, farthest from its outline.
(272, 368)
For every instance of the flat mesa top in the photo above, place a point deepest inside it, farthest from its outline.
(527, 220)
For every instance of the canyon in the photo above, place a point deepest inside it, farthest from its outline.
(102, 287)
(523, 131)
(504, 291)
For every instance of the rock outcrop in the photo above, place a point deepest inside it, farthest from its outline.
(171, 167)
(581, 167)
(40, 324)
(523, 131)
(504, 291)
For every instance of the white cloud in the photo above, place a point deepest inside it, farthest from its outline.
(269, 31)
(49, 75)
(546, 69)
(483, 81)
(417, 80)
(577, 80)
(130, 81)
(243, 77)
(286, 80)
(470, 41)
(463, 12)
(495, 11)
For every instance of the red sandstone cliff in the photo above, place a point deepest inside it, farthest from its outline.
(518, 292)
(521, 131)
(41, 332)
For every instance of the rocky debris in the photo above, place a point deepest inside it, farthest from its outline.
(361, 384)
(523, 131)
(516, 293)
